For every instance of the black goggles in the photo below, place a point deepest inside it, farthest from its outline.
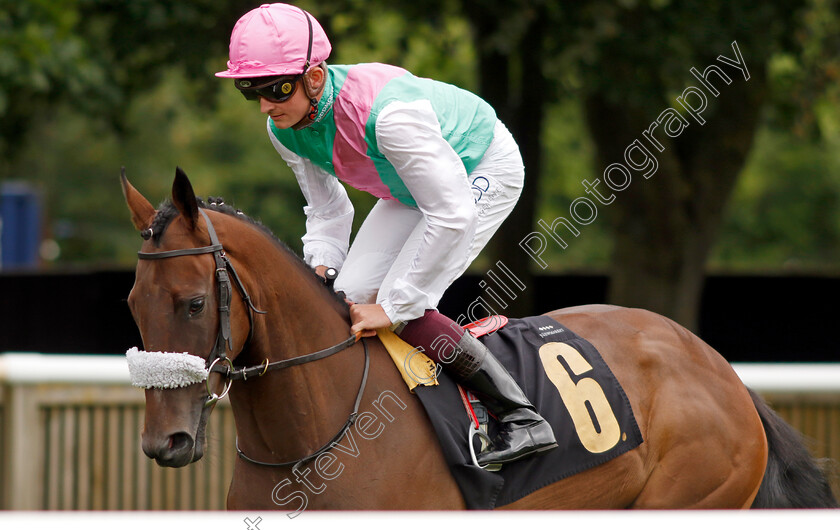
(276, 89)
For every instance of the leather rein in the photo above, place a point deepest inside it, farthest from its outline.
(220, 363)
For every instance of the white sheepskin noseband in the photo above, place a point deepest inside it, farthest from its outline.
(155, 369)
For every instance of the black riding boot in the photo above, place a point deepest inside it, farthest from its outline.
(522, 432)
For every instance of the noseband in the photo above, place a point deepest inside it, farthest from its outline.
(219, 362)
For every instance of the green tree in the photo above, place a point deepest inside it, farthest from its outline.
(664, 227)
(98, 54)
(42, 59)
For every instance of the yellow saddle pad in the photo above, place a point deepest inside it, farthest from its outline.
(414, 366)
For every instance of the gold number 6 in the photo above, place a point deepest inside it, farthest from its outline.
(607, 433)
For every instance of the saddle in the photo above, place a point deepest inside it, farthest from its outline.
(562, 374)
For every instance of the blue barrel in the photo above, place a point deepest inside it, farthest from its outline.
(20, 225)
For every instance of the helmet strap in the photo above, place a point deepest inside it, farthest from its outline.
(313, 102)
(309, 47)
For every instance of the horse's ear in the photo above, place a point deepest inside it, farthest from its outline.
(184, 198)
(142, 211)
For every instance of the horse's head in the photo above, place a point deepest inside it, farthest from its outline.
(176, 305)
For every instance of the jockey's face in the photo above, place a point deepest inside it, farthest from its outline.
(287, 113)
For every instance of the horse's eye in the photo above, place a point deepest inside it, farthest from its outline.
(196, 306)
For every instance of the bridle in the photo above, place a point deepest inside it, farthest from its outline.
(219, 362)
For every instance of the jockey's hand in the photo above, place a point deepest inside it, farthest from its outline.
(367, 318)
(321, 270)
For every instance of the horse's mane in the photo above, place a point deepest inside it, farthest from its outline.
(167, 211)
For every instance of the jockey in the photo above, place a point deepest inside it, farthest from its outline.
(446, 171)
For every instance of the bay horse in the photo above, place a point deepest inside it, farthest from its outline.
(709, 442)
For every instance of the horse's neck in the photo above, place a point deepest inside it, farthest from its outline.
(289, 413)
(302, 315)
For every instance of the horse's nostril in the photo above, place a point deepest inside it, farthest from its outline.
(180, 441)
(177, 450)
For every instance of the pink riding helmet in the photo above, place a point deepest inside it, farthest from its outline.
(273, 40)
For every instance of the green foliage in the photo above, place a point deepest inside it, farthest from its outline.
(653, 43)
(785, 212)
(222, 145)
(807, 77)
(786, 209)
(438, 46)
(42, 58)
(568, 160)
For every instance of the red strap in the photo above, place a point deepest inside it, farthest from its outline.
(467, 405)
(487, 325)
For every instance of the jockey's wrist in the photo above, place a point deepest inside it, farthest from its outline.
(389, 311)
(330, 274)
